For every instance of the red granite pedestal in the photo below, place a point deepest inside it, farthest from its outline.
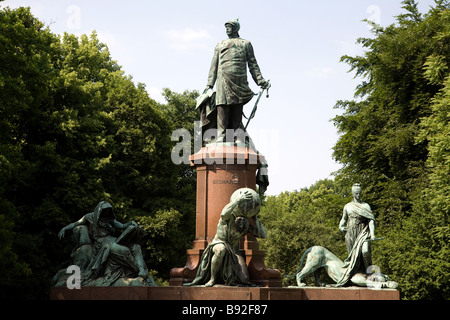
(221, 170)
(221, 293)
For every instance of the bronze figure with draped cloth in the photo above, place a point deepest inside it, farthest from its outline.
(107, 251)
(358, 224)
(221, 262)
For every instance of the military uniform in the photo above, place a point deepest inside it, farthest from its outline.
(229, 72)
(229, 68)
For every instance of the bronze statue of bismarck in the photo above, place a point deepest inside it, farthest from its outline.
(229, 73)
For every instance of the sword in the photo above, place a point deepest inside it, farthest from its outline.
(252, 115)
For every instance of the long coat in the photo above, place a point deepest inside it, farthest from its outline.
(229, 68)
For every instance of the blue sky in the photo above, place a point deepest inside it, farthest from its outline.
(298, 45)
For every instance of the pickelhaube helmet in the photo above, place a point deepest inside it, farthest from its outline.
(235, 23)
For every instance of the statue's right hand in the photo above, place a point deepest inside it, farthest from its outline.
(264, 84)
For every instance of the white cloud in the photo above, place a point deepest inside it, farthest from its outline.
(188, 38)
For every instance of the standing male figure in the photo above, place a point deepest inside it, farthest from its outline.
(229, 69)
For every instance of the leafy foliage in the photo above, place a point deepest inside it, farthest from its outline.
(76, 130)
(395, 141)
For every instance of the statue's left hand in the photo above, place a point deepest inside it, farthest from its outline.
(134, 224)
(61, 233)
(206, 89)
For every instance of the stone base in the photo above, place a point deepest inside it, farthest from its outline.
(221, 293)
(223, 168)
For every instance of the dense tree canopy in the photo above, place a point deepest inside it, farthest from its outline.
(76, 130)
(395, 141)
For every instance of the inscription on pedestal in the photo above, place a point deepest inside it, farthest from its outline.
(233, 180)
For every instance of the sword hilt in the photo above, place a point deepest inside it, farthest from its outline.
(268, 87)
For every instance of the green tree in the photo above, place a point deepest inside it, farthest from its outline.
(436, 129)
(420, 254)
(377, 145)
(26, 52)
(394, 140)
(116, 141)
(76, 130)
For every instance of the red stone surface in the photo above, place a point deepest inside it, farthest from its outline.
(221, 293)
